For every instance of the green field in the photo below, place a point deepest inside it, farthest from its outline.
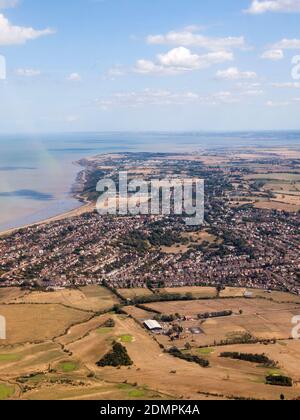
(205, 352)
(9, 358)
(6, 391)
(68, 367)
(126, 338)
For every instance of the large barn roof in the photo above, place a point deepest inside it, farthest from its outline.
(153, 325)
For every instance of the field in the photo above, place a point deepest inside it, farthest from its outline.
(276, 205)
(196, 292)
(260, 318)
(55, 357)
(134, 293)
(36, 323)
(275, 176)
(279, 297)
(195, 238)
(283, 189)
(89, 298)
(6, 391)
(9, 295)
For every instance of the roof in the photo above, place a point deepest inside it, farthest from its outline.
(153, 325)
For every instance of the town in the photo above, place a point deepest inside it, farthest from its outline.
(246, 240)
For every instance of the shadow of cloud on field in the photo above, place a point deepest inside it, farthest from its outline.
(29, 194)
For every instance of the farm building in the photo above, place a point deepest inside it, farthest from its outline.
(196, 330)
(152, 325)
(248, 295)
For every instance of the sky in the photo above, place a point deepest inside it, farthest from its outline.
(141, 65)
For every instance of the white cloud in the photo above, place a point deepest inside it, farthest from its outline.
(286, 85)
(72, 119)
(274, 55)
(74, 77)
(274, 104)
(154, 97)
(259, 7)
(28, 72)
(8, 4)
(164, 98)
(13, 35)
(224, 98)
(180, 60)
(233, 73)
(116, 71)
(250, 88)
(288, 44)
(188, 38)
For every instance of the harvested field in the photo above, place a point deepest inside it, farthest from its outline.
(192, 308)
(196, 292)
(276, 205)
(178, 378)
(274, 176)
(20, 360)
(279, 297)
(89, 298)
(65, 367)
(260, 318)
(36, 323)
(94, 391)
(285, 353)
(134, 293)
(11, 294)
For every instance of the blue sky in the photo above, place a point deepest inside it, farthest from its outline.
(101, 65)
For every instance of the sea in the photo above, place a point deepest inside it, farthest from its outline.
(37, 171)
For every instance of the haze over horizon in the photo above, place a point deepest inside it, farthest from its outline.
(127, 65)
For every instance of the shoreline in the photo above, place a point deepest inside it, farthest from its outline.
(84, 208)
(76, 189)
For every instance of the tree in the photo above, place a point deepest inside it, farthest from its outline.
(117, 357)
(219, 289)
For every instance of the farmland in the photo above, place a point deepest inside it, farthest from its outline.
(262, 319)
(89, 298)
(55, 358)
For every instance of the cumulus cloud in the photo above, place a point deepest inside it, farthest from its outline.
(259, 7)
(28, 72)
(14, 35)
(180, 60)
(74, 77)
(273, 55)
(188, 38)
(288, 44)
(233, 73)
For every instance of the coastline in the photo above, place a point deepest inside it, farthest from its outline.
(85, 208)
(76, 189)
